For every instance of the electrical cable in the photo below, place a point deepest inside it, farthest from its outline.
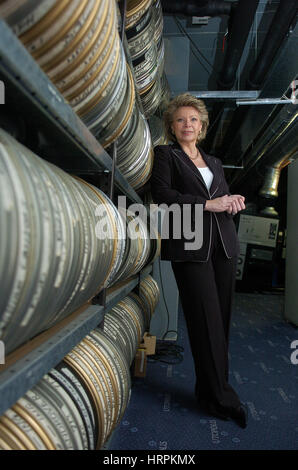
(166, 350)
(164, 298)
(181, 28)
(167, 353)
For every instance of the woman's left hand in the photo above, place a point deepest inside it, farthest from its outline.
(236, 204)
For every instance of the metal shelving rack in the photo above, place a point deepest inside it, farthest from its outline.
(30, 362)
(22, 76)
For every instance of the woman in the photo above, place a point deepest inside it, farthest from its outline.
(183, 174)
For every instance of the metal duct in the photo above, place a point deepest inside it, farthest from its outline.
(276, 148)
(196, 7)
(271, 180)
(288, 148)
(278, 140)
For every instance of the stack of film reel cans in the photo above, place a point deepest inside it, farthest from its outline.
(78, 404)
(144, 26)
(77, 44)
(53, 257)
(45, 211)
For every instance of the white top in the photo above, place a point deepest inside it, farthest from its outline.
(207, 175)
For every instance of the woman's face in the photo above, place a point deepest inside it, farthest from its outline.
(186, 124)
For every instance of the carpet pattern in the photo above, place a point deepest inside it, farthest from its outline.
(163, 415)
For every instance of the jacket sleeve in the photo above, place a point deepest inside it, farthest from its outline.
(161, 181)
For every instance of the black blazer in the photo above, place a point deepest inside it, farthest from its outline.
(175, 179)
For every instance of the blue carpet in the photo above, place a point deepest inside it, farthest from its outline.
(163, 415)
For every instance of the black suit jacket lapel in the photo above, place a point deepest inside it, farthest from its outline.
(210, 162)
(181, 155)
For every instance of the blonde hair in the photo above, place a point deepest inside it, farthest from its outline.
(185, 100)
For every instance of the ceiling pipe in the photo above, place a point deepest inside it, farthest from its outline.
(240, 24)
(241, 16)
(279, 28)
(196, 7)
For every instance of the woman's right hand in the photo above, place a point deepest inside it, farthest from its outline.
(232, 204)
(237, 204)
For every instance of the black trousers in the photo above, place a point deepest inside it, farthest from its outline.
(206, 293)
